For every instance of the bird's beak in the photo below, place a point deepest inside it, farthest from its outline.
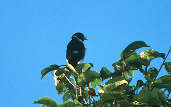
(85, 38)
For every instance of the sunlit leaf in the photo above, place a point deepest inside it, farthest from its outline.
(48, 69)
(168, 67)
(132, 47)
(46, 101)
(86, 67)
(149, 54)
(114, 85)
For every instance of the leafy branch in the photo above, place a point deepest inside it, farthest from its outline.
(81, 86)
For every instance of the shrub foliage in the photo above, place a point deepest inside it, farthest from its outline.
(82, 86)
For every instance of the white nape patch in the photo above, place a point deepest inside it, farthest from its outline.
(75, 51)
(78, 38)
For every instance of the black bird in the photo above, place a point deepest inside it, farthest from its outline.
(76, 49)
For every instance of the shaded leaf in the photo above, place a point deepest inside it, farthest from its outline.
(105, 73)
(86, 77)
(48, 69)
(129, 74)
(154, 97)
(68, 95)
(139, 84)
(164, 99)
(60, 88)
(152, 74)
(67, 104)
(164, 79)
(132, 47)
(163, 82)
(95, 82)
(168, 67)
(133, 62)
(142, 97)
(62, 82)
(118, 66)
(46, 101)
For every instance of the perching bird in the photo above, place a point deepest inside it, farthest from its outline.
(76, 49)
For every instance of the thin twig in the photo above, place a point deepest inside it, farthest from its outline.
(69, 80)
(76, 87)
(165, 59)
(80, 92)
(163, 62)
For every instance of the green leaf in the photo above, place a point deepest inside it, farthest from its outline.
(163, 82)
(72, 70)
(129, 74)
(48, 69)
(164, 99)
(62, 82)
(132, 47)
(168, 67)
(110, 86)
(139, 84)
(149, 54)
(60, 88)
(95, 82)
(68, 95)
(142, 97)
(105, 73)
(86, 67)
(44, 106)
(67, 104)
(152, 74)
(154, 97)
(86, 77)
(164, 79)
(118, 66)
(46, 101)
(135, 62)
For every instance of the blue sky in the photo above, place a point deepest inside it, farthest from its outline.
(34, 34)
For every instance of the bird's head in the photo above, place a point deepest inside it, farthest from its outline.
(79, 36)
